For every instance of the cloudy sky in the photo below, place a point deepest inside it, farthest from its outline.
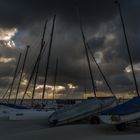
(21, 24)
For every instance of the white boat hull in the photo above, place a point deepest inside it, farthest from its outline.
(79, 111)
(110, 119)
(30, 115)
(5, 112)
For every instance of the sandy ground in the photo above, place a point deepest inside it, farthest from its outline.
(36, 131)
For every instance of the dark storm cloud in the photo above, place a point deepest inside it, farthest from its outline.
(18, 13)
(102, 29)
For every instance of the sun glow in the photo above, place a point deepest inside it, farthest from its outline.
(6, 36)
(136, 68)
(58, 88)
(6, 60)
(99, 56)
(24, 82)
(71, 86)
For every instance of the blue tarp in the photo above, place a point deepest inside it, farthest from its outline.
(13, 106)
(129, 107)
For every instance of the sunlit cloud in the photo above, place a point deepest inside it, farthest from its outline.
(11, 43)
(24, 82)
(103, 32)
(6, 36)
(58, 88)
(6, 60)
(98, 56)
(110, 37)
(71, 86)
(99, 83)
(136, 68)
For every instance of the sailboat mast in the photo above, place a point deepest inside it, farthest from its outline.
(6, 92)
(21, 73)
(38, 64)
(87, 55)
(48, 58)
(32, 73)
(128, 49)
(11, 87)
(100, 70)
(55, 76)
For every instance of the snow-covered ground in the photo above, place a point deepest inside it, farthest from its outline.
(26, 130)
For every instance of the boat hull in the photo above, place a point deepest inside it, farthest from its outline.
(79, 111)
(118, 119)
(30, 115)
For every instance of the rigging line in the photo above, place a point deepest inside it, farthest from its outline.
(86, 51)
(1, 92)
(104, 77)
(14, 77)
(84, 71)
(10, 85)
(38, 64)
(31, 76)
(28, 69)
(48, 58)
(44, 49)
(22, 69)
(35, 45)
(55, 78)
(33, 54)
(127, 45)
(34, 68)
(6, 92)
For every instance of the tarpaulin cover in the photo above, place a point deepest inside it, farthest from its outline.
(129, 107)
(13, 106)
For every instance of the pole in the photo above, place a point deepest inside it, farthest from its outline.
(11, 87)
(55, 76)
(87, 55)
(127, 45)
(21, 73)
(31, 76)
(100, 70)
(48, 59)
(38, 64)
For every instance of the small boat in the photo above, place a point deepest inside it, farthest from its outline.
(6, 109)
(31, 114)
(78, 111)
(122, 113)
(130, 110)
(14, 112)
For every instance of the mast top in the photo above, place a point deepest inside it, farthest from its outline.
(28, 46)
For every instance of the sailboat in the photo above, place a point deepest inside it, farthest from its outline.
(6, 108)
(35, 114)
(87, 108)
(130, 110)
